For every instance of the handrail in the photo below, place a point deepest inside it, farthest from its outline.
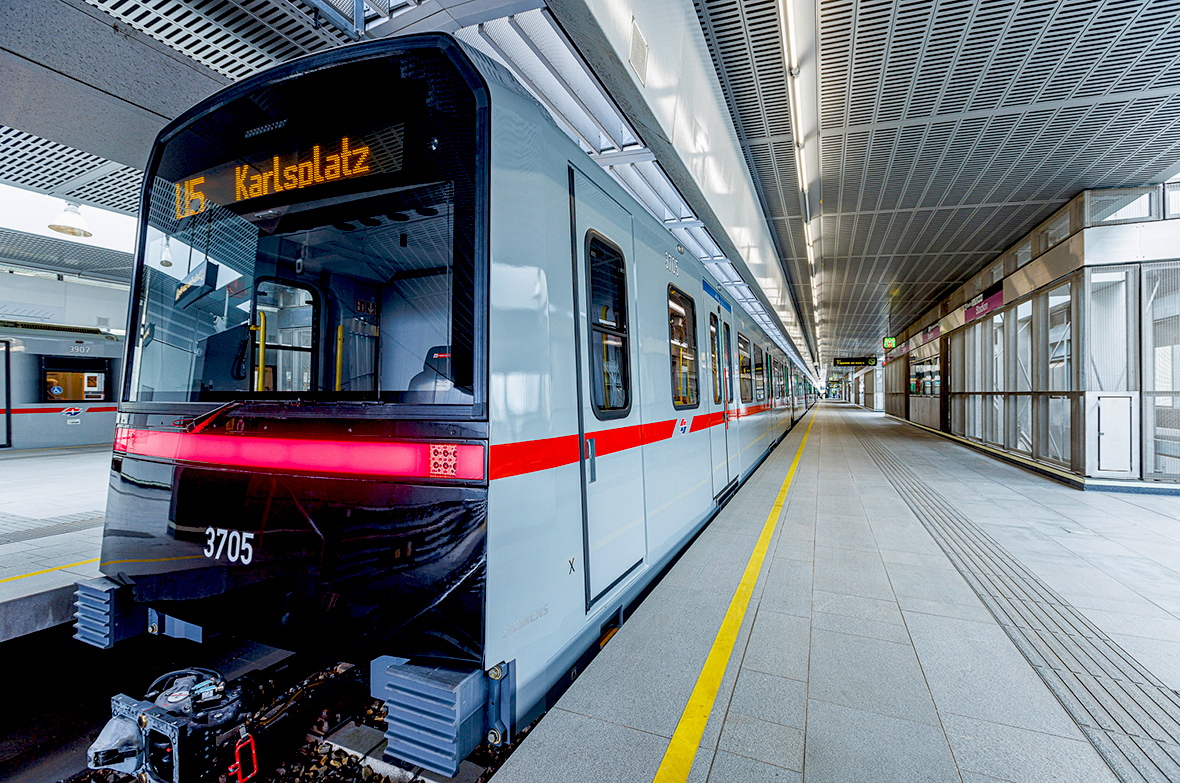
(260, 370)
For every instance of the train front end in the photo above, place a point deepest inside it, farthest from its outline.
(301, 451)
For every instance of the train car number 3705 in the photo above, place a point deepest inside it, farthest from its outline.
(233, 544)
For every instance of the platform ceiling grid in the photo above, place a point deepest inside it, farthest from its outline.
(34, 163)
(233, 37)
(745, 43)
(948, 130)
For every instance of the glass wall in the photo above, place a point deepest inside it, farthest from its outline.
(1161, 370)
(1014, 381)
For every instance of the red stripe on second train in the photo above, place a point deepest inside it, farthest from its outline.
(751, 410)
(706, 420)
(110, 409)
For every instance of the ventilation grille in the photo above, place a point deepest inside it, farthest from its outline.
(638, 55)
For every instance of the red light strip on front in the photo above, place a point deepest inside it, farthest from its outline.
(340, 457)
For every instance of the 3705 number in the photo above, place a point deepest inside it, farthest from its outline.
(234, 544)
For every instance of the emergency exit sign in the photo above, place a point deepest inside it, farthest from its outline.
(889, 342)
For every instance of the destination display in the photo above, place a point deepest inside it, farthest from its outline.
(855, 361)
(316, 164)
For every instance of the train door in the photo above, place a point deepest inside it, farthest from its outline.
(5, 395)
(609, 421)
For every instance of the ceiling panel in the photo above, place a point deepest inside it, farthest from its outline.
(947, 130)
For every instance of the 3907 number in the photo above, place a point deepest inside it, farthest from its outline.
(234, 544)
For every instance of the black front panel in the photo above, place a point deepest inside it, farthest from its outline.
(304, 562)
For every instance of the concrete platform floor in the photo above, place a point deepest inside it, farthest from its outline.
(51, 510)
(928, 615)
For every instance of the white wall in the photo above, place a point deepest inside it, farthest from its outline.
(69, 302)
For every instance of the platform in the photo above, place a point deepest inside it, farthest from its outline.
(51, 512)
(923, 613)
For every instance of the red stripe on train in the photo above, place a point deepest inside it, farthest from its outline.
(530, 456)
(514, 459)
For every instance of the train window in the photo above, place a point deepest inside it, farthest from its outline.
(287, 313)
(353, 233)
(682, 343)
(728, 366)
(714, 357)
(745, 369)
(610, 378)
(70, 379)
(759, 374)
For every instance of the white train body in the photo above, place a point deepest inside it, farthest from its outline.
(287, 467)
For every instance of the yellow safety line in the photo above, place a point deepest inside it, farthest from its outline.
(682, 749)
(153, 560)
(48, 570)
(86, 563)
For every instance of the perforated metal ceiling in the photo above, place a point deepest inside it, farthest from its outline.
(61, 255)
(947, 130)
(34, 163)
(233, 37)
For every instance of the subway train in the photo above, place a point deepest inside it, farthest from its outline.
(421, 387)
(57, 384)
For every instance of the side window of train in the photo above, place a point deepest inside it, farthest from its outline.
(745, 369)
(759, 374)
(682, 344)
(728, 366)
(714, 357)
(610, 371)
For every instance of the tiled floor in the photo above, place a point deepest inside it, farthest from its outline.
(51, 508)
(865, 654)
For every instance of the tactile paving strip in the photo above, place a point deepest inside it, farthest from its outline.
(1131, 717)
(53, 528)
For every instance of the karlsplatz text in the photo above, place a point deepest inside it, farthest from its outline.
(349, 162)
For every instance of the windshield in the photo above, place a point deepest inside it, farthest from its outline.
(315, 239)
